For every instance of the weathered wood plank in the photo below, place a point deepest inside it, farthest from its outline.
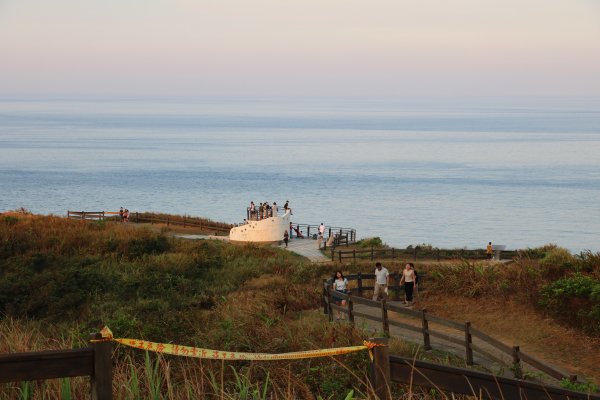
(46, 365)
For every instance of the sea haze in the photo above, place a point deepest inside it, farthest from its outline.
(453, 173)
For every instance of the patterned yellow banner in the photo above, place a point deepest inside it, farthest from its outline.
(197, 352)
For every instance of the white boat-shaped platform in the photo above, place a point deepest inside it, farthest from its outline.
(267, 230)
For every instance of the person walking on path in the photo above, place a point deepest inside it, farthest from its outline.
(489, 251)
(340, 284)
(410, 282)
(285, 238)
(382, 278)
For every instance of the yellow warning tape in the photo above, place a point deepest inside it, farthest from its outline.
(197, 352)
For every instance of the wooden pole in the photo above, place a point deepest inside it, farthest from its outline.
(425, 325)
(517, 369)
(385, 323)
(329, 309)
(468, 343)
(380, 369)
(324, 298)
(360, 284)
(354, 255)
(101, 382)
(350, 309)
(340, 255)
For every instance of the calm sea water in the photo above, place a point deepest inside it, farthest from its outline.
(453, 173)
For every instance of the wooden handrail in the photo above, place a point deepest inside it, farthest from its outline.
(94, 361)
(475, 383)
(381, 315)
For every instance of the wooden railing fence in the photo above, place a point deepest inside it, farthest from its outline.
(415, 253)
(140, 218)
(185, 222)
(94, 361)
(92, 215)
(421, 324)
(386, 369)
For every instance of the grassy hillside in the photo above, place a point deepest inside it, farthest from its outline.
(62, 279)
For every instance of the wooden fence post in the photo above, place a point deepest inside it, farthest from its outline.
(425, 324)
(360, 284)
(384, 319)
(340, 255)
(517, 369)
(350, 309)
(308, 231)
(468, 343)
(393, 253)
(324, 298)
(329, 309)
(380, 369)
(354, 255)
(101, 382)
(397, 279)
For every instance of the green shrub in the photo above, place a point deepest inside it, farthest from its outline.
(370, 242)
(575, 299)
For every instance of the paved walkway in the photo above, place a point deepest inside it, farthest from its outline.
(307, 248)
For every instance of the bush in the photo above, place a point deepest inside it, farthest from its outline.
(575, 299)
(370, 242)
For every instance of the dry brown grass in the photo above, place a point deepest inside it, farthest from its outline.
(520, 324)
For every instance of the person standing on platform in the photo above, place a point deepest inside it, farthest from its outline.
(382, 279)
(322, 229)
(489, 251)
(285, 238)
(291, 231)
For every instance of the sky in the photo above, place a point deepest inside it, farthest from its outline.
(300, 48)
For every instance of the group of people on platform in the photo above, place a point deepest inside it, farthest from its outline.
(380, 291)
(265, 210)
(124, 215)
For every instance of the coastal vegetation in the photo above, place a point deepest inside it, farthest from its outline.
(63, 279)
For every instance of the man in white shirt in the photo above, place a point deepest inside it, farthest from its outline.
(382, 278)
(322, 229)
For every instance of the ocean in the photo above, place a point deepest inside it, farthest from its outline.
(452, 173)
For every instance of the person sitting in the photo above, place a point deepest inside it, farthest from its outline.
(298, 232)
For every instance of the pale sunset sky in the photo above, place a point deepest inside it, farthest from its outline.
(302, 48)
